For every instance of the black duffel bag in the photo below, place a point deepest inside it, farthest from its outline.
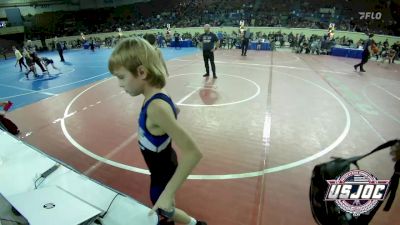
(327, 212)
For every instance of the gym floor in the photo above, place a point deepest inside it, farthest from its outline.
(262, 126)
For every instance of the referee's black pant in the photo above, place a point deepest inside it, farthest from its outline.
(209, 55)
(364, 60)
(245, 45)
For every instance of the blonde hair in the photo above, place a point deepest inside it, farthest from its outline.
(131, 53)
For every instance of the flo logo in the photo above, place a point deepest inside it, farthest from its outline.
(357, 192)
(370, 15)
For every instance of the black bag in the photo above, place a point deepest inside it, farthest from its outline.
(8, 125)
(327, 212)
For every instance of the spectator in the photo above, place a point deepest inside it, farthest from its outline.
(177, 41)
(316, 46)
(19, 58)
(4, 53)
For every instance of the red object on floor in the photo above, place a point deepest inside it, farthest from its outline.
(7, 106)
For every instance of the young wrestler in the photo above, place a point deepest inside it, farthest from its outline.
(30, 62)
(46, 61)
(140, 71)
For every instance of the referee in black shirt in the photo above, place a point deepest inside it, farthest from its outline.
(60, 49)
(208, 39)
(245, 41)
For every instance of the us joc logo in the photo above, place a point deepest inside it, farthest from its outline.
(357, 192)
